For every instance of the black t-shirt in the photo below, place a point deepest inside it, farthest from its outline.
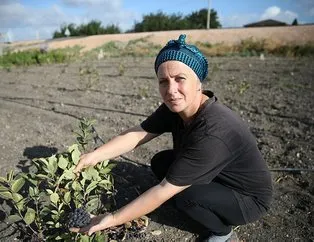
(215, 146)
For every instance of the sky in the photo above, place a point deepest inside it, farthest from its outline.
(38, 19)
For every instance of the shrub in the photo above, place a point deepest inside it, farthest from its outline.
(42, 200)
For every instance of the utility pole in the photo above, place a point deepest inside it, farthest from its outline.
(208, 15)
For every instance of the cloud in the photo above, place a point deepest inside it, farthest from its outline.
(24, 22)
(276, 13)
(107, 4)
(271, 12)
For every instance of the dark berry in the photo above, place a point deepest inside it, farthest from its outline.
(79, 218)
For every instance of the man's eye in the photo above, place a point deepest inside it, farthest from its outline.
(162, 83)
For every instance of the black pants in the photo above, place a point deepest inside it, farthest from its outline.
(212, 205)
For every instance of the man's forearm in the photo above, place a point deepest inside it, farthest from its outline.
(144, 204)
(121, 144)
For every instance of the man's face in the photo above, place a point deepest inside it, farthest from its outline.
(178, 86)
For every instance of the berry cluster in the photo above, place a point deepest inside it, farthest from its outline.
(79, 218)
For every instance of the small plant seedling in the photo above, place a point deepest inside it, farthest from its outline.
(41, 202)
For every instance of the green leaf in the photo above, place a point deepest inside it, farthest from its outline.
(42, 176)
(91, 186)
(18, 184)
(105, 171)
(75, 153)
(6, 195)
(3, 179)
(20, 204)
(36, 191)
(91, 171)
(92, 204)
(67, 197)
(83, 182)
(63, 163)
(77, 186)
(86, 175)
(3, 188)
(104, 182)
(60, 207)
(29, 216)
(100, 237)
(31, 191)
(30, 178)
(42, 164)
(17, 197)
(49, 191)
(84, 238)
(103, 164)
(55, 212)
(45, 211)
(10, 176)
(54, 198)
(44, 161)
(13, 218)
(69, 175)
(52, 164)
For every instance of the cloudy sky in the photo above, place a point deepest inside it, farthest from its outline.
(33, 19)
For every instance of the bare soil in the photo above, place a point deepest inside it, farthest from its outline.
(40, 106)
(287, 35)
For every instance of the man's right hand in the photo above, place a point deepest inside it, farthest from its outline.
(86, 160)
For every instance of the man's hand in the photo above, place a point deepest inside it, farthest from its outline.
(98, 223)
(86, 160)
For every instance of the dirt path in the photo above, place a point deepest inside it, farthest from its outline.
(39, 107)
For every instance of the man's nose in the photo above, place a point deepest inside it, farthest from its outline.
(172, 88)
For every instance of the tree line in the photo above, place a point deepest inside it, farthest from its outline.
(152, 22)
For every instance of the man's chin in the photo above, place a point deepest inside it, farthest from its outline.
(175, 108)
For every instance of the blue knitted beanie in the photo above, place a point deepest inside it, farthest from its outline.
(188, 54)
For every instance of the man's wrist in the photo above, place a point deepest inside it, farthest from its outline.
(114, 221)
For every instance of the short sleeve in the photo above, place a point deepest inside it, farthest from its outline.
(160, 121)
(200, 162)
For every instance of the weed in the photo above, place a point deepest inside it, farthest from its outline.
(243, 87)
(121, 69)
(89, 76)
(143, 92)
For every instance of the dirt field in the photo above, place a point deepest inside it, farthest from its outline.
(39, 107)
(288, 35)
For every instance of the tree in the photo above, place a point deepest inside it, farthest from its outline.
(92, 28)
(198, 19)
(295, 22)
(160, 21)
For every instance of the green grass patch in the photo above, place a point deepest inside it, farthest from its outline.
(38, 57)
(251, 47)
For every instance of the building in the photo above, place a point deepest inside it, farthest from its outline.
(266, 23)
